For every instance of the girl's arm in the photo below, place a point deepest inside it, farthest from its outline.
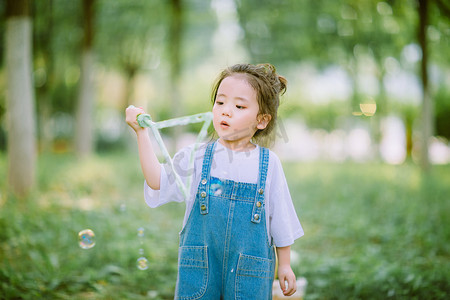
(150, 165)
(285, 272)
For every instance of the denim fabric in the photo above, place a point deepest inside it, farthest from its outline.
(224, 250)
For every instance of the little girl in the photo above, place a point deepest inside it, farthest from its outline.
(239, 208)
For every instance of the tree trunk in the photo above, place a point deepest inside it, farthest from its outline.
(20, 98)
(129, 87)
(43, 48)
(427, 105)
(381, 109)
(409, 136)
(84, 142)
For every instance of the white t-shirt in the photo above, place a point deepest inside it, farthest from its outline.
(284, 226)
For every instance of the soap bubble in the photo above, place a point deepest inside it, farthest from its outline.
(141, 251)
(216, 189)
(140, 231)
(142, 263)
(86, 239)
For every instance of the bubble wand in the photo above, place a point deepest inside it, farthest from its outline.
(144, 120)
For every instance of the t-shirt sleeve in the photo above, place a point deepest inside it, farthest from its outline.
(169, 190)
(285, 226)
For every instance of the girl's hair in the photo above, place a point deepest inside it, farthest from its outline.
(268, 86)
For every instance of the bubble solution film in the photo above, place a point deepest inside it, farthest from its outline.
(142, 263)
(86, 239)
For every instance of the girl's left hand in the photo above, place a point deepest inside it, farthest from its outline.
(285, 273)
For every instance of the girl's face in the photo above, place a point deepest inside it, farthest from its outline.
(235, 111)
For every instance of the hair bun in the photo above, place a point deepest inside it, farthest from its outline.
(278, 82)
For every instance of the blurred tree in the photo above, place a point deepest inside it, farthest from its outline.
(2, 95)
(428, 113)
(158, 39)
(385, 30)
(353, 34)
(199, 24)
(439, 43)
(43, 34)
(427, 105)
(442, 99)
(20, 97)
(174, 48)
(57, 35)
(131, 38)
(84, 140)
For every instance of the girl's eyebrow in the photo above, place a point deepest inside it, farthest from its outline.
(242, 99)
(237, 98)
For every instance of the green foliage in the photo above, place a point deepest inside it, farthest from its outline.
(325, 32)
(131, 38)
(347, 34)
(372, 232)
(39, 253)
(130, 34)
(200, 25)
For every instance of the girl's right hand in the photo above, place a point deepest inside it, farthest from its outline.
(131, 114)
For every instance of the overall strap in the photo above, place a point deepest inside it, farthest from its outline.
(261, 185)
(205, 179)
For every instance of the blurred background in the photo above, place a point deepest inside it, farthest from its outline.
(363, 133)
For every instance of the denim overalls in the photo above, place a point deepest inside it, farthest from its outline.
(224, 249)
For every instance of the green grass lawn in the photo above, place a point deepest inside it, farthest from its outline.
(372, 231)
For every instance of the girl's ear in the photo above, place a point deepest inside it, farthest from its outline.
(263, 121)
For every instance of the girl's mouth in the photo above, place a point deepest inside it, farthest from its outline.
(224, 124)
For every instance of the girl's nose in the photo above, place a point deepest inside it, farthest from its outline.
(226, 111)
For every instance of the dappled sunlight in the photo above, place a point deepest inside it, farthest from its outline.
(439, 151)
(297, 142)
(304, 144)
(366, 109)
(393, 142)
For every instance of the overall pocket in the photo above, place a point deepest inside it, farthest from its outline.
(254, 277)
(192, 272)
